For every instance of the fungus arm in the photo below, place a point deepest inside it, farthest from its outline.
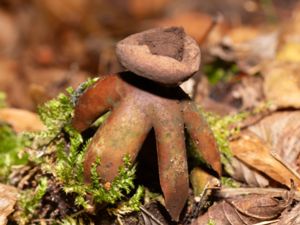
(122, 134)
(201, 135)
(95, 101)
(172, 160)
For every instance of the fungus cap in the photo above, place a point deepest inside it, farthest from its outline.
(138, 58)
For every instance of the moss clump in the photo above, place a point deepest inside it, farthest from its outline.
(229, 182)
(29, 201)
(11, 145)
(220, 71)
(223, 129)
(131, 205)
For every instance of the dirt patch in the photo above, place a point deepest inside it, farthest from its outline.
(168, 42)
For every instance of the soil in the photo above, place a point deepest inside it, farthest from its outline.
(168, 42)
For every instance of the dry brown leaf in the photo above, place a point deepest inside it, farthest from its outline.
(291, 32)
(242, 172)
(70, 11)
(12, 84)
(249, 209)
(281, 85)
(9, 35)
(243, 34)
(249, 91)
(46, 83)
(250, 53)
(289, 52)
(261, 207)
(196, 24)
(21, 120)
(141, 9)
(281, 131)
(218, 214)
(291, 217)
(253, 151)
(8, 198)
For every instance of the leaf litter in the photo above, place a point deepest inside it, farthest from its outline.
(246, 68)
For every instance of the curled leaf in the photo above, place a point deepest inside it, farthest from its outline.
(281, 131)
(8, 198)
(253, 151)
(250, 209)
(242, 172)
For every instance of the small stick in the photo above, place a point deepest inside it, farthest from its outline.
(150, 215)
(232, 192)
(266, 222)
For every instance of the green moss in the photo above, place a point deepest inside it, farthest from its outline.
(229, 182)
(30, 200)
(11, 145)
(131, 205)
(123, 183)
(223, 128)
(220, 70)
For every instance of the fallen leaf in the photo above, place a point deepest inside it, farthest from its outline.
(197, 25)
(253, 151)
(8, 198)
(9, 35)
(291, 217)
(248, 91)
(46, 83)
(289, 52)
(142, 9)
(242, 172)
(250, 53)
(242, 34)
(281, 84)
(70, 11)
(249, 209)
(261, 207)
(21, 120)
(13, 85)
(281, 131)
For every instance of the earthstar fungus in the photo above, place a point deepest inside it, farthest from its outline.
(145, 97)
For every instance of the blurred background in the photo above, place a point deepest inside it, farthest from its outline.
(48, 45)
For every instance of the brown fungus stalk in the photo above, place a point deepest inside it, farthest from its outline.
(146, 97)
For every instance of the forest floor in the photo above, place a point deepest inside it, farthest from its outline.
(247, 89)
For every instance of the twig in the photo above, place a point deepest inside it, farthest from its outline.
(266, 222)
(232, 192)
(278, 158)
(150, 215)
